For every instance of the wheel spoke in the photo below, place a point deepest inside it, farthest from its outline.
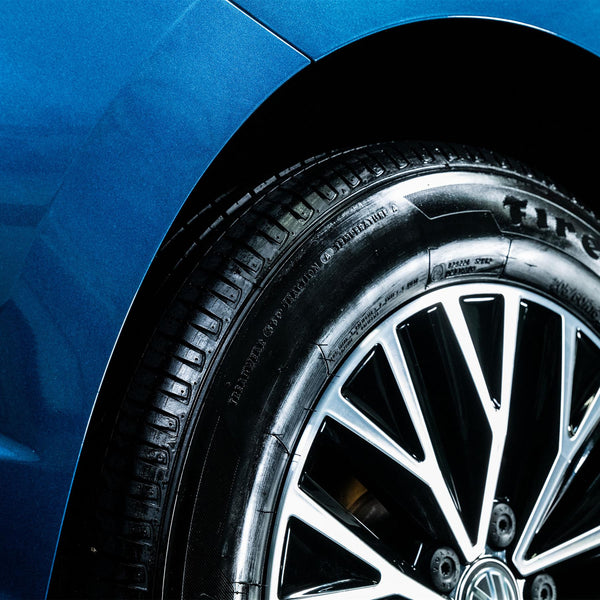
(339, 409)
(363, 593)
(301, 506)
(569, 446)
(497, 416)
(377, 592)
(429, 470)
(461, 330)
(567, 550)
(511, 326)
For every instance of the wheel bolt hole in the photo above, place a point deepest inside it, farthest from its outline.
(447, 568)
(504, 525)
(541, 588)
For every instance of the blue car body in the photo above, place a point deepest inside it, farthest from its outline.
(110, 114)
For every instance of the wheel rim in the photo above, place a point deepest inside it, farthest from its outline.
(470, 396)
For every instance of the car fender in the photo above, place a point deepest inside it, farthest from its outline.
(89, 253)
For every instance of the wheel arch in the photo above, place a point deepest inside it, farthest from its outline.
(452, 80)
(508, 86)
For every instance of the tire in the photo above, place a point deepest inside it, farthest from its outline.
(285, 301)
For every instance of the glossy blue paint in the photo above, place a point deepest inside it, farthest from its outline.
(118, 197)
(319, 27)
(109, 114)
(61, 63)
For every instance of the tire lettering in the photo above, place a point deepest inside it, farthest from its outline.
(248, 367)
(371, 316)
(563, 226)
(464, 262)
(542, 218)
(566, 290)
(591, 245)
(269, 329)
(460, 271)
(516, 208)
(363, 225)
(460, 267)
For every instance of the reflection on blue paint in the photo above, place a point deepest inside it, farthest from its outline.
(23, 215)
(15, 452)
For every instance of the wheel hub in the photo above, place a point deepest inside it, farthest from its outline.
(488, 579)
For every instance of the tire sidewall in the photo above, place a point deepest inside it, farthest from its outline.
(371, 254)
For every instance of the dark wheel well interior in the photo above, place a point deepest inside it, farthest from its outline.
(511, 88)
(514, 89)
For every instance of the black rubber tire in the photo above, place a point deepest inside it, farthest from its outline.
(293, 277)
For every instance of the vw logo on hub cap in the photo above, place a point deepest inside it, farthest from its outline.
(488, 579)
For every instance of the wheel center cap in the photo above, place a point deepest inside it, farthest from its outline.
(488, 579)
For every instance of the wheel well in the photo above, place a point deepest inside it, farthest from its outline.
(510, 88)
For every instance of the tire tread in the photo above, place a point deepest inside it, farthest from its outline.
(227, 247)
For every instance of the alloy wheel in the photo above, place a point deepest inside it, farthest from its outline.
(455, 447)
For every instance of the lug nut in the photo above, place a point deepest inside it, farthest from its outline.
(542, 587)
(445, 569)
(503, 526)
